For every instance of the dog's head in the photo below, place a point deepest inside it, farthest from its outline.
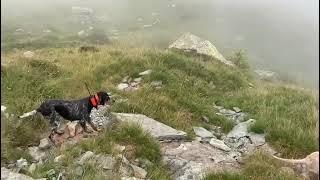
(104, 98)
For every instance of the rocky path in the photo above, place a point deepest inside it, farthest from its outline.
(211, 150)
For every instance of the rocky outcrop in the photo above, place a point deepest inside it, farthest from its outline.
(158, 130)
(190, 42)
(6, 174)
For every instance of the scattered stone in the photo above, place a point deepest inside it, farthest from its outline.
(240, 130)
(122, 86)
(78, 171)
(205, 119)
(44, 144)
(32, 167)
(196, 159)
(3, 108)
(125, 168)
(145, 72)
(58, 158)
(158, 130)
(130, 178)
(19, 30)
(107, 162)
(82, 33)
(139, 172)
(190, 42)
(6, 174)
(87, 155)
(218, 107)
(51, 172)
(156, 83)
(28, 54)
(21, 163)
(219, 144)
(266, 75)
(47, 31)
(202, 132)
(147, 25)
(139, 19)
(236, 109)
(138, 80)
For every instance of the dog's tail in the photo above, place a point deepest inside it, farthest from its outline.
(31, 113)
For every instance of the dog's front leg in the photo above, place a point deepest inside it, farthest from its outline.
(94, 127)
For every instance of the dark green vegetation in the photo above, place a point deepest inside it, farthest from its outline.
(191, 84)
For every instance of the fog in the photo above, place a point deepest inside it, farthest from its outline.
(278, 35)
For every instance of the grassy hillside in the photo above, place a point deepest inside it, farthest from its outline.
(191, 85)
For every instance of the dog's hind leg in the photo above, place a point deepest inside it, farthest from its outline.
(55, 120)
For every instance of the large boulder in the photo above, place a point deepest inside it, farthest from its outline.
(190, 42)
(158, 130)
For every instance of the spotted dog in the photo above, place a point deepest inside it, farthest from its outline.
(55, 110)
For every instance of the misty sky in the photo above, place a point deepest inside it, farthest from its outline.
(278, 35)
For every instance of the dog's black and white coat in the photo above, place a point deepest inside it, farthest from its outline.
(73, 110)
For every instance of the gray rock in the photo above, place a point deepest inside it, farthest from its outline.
(202, 132)
(86, 156)
(19, 30)
(190, 42)
(21, 163)
(139, 172)
(51, 172)
(241, 129)
(219, 144)
(138, 80)
(158, 130)
(82, 33)
(266, 75)
(145, 72)
(156, 83)
(3, 108)
(122, 86)
(32, 168)
(205, 119)
(28, 54)
(101, 117)
(6, 174)
(194, 158)
(58, 158)
(257, 139)
(44, 144)
(227, 112)
(78, 171)
(218, 107)
(125, 168)
(236, 109)
(106, 162)
(130, 178)
(47, 31)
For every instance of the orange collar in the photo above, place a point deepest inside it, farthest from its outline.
(95, 101)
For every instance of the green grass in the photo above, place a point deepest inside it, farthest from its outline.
(139, 144)
(191, 84)
(258, 166)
